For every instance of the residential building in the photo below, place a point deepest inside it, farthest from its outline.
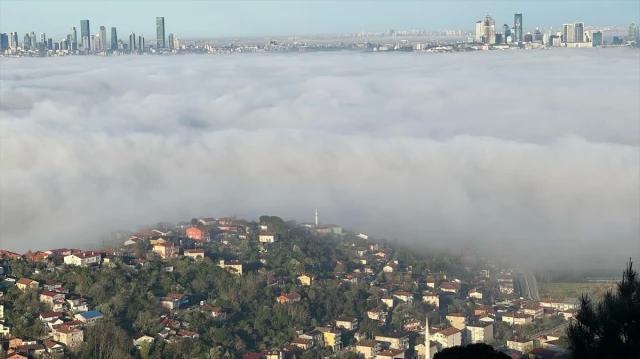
(232, 266)
(25, 284)
(394, 340)
(195, 233)
(391, 353)
(88, 317)
(71, 337)
(82, 259)
(480, 332)
(305, 279)
(173, 300)
(368, 348)
(194, 253)
(347, 323)
(521, 345)
(266, 237)
(286, 298)
(457, 320)
(165, 250)
(517, 318)
(448, 337)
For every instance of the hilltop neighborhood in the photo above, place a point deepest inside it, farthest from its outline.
(226, 287)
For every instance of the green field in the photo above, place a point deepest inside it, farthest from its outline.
(574, 289)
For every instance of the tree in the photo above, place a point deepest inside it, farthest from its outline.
(105, 340)
(610, 328)
(471, 351)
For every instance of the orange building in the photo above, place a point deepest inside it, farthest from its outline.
(195, 233)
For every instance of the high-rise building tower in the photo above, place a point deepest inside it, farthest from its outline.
(171, 40)
(141, 45)
(633, 32)
(34, 41)
(517, 27)
(489, 30)
(114, 39)
(132, 42)
(4, 42)
(103, 38)
(506, 30)
(316, 219)
(596, 38)
(579, 31)
(478, 34)
(568, 33)
(160, 39)
(26, 42)
(13, 40)
(85, 32)
(74, 37)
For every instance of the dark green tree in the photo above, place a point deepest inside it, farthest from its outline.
(610, 328)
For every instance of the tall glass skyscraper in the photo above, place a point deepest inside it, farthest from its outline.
(114, 39)
(579, 32)
(103, 39)
(160, 43)
(517, 27)
(85, 32)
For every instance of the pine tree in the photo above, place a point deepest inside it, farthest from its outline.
(610, 328)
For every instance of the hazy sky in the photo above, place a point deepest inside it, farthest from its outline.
(241, 18)
(534, 155)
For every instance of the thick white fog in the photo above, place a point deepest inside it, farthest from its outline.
(533, 154)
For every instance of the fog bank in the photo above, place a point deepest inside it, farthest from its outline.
(532, 154)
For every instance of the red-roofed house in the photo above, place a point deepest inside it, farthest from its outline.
(292, 297)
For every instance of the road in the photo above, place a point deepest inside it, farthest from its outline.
(527, 285)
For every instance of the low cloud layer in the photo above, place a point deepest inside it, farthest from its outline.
(533, 154)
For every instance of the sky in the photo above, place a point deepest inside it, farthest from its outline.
(263, 18)
(529, 155)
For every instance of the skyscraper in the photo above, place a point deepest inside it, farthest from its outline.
(85, 32)
(517, 27)
(103, 38)
(132, 42)
(506, 33)
(4, 42)
(579, 32)
(596, 38)
(478, 34)
(114, 39)
(34, 40)
(141, 45)
(171, 40)
(74, 38)
(26, 42)
(633, 33)
(13, 40)
(160, 42)
(568, 33)
(489, 30)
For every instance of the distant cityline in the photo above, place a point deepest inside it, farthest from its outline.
(485, 37)
(87, 43)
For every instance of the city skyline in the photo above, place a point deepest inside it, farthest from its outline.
(223, 19)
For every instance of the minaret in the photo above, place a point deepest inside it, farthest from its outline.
(427, 344)
(316, 218)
